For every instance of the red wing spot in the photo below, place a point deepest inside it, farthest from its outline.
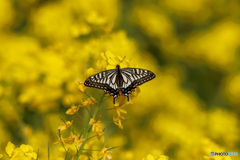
(120, 92)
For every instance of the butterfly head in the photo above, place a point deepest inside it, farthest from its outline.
(118, 67)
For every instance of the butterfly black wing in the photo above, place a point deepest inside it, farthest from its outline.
(136, 76)
(102, 80)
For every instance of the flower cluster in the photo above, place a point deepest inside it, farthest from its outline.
(155, 157)
(23, 152)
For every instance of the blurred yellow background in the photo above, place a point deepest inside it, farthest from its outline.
(190, 109)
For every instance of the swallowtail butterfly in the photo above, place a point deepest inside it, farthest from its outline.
(118, 81)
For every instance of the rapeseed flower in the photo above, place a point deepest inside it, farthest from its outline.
(119, 109)
(23, 152)
(72, 110)
(61, 140)
(155, 157)
(10, 149)
(95, 125)
(208, 45)
(110, 61)
(65, 125)
(89, 102)
(78, 142)
(100, 136)
(118, 121)
(106, 153)
(89, 72)
(82, 87)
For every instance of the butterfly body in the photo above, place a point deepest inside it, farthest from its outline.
(118, 81)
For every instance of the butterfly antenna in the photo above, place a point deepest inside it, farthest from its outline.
(122, 59)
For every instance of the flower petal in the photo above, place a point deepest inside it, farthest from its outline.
(10, 149)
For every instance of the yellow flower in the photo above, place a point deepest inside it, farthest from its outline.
(161, 26)
(65, 125)
(80, 29)
(213, 44)
(10, 149)
(95, 19)
(6, 7)
(61, 140)
(23, 152)
(95, 125)
(28, 151)
(26, 148)
(113, 61)
(78, 142)
(150, 157)
(119, 110)
(18, 154)
(118, 121)
(162, 157)
(155, 157)
(82, 87)
(100, 136)
(89, 72)
(106, 154)
(102, 64)
(73, 138)
(89, 102)
(92, 121)
(1, 155)
(72, 110)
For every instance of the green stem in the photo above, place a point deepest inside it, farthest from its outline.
(89, 98)
(59, 132)
(89, 113)
(107, 109)
(37, 154)
(100, 150)
(89, 128)
(91, 150)
(112, 148)
(66, 155)
(97, 108)
(92, 137)
(110, 108)
(70, 101)
(48, 151)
